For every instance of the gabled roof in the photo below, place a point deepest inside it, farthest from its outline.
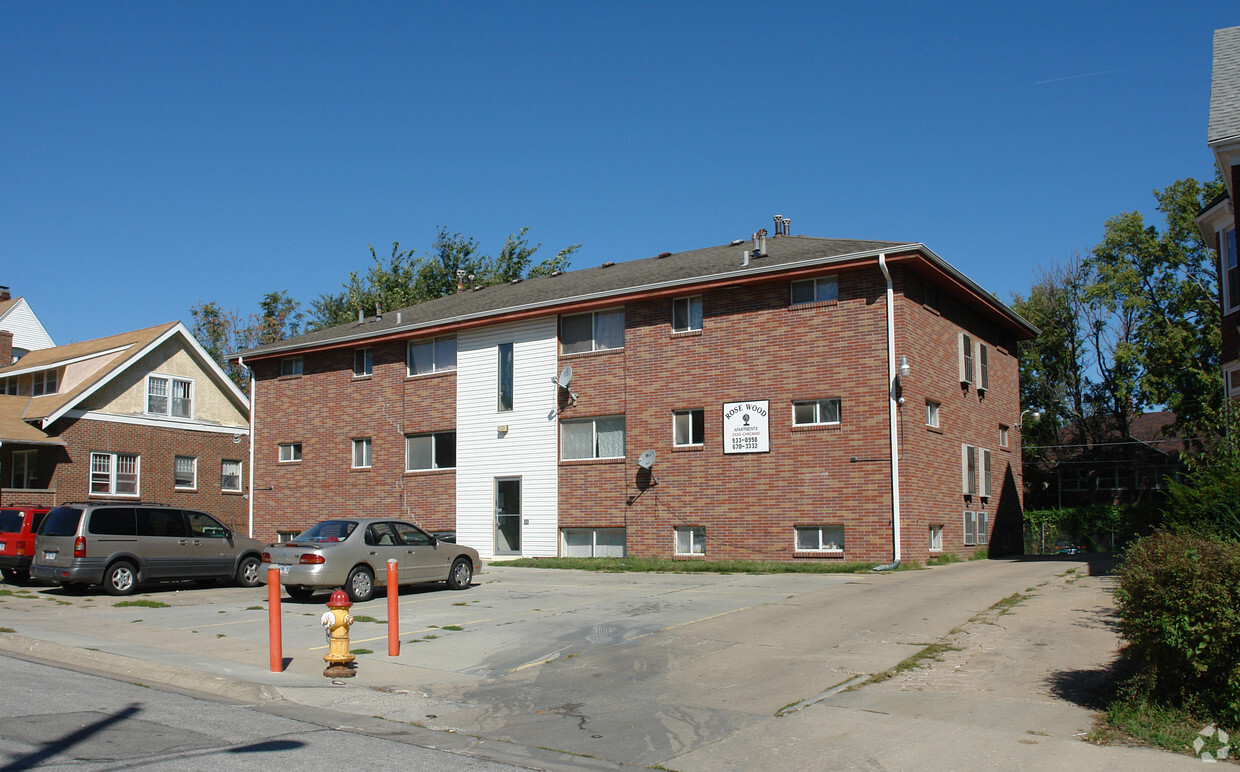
(614, 283)
(125, 348)
(1225, 87)
(19, 318)
(13, 426)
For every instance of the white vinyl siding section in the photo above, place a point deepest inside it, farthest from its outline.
(28, 332)
(528, 450)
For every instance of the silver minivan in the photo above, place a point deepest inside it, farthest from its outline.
(121, 545)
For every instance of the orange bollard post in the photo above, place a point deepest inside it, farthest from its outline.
(393, 622)
(275, 635)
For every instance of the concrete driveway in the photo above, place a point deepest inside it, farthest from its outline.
(682, 671)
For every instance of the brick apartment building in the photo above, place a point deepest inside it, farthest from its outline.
(782, 386)
(1219, 221)
(144, 415)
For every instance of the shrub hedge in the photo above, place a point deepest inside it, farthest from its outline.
(1179, 605)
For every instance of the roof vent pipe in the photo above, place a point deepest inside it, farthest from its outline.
(787, 226)
(359, 315)
(779, 225)
(745, 259)
(762, 233)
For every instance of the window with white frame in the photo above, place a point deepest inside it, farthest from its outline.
(1004, 435)
(290, 366)
(115, 474)
(184, 472)
(166, 395)
(820, 538)
(1231, 271)
(968, 470)
(46, 382)
(230, 476)
(932, 413)
(504, 381)
(816, 412)
(688, 427)
(1231, 377)
(290, 452)
(983, 366)
(690, 540)
(431, 356)
(592, 542)
(363, 362)
(817, 290)
(976, 529)
(687, 314)
(984, 483)
(430, 451)
(966, 357)
(936, 538)
(8, 385)
(361, 453)
(601, 437)
(592, 331)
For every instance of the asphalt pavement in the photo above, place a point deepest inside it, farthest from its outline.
(578, 670)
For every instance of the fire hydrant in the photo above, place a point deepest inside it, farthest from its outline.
(337, 620)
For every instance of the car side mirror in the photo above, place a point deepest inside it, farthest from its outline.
(434, 541)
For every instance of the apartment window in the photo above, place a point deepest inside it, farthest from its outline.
(1003, 435)
(966, 358)
(290, 366)
(1231, 377)
(8, 385)
(592, 331)
(592, 438)
(290, 452)
(816, 412)
(283, 536)
(230, 476)
(968, 470)
(115, 474)
(185, 472)
(976, 529)
(1231, 272)
(430, 451)
(46, 382)
(985, 472)
(504, 385)
(687, 314)
(363, 362)
(688, 427)
(820, 538)
(361, 453)
(593, 542)
(432, 356)
(166, 395)
(815, 290)
(23, 468)
(983, 367)
(936, 538)
(690, 540)
(932, 413)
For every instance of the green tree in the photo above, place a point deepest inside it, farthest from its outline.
(224, 332)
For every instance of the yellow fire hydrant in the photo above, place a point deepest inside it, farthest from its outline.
(337, 620)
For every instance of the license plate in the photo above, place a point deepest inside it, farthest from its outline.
(49, 555)
(3, 545)
(285, 569)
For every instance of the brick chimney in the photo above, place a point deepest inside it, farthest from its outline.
(6, 348)
(4, 294)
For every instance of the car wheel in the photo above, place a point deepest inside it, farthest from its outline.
(360, 586)
(461, 574)
(299, 593)
(121, 578)
(248, 571)
(16, 576)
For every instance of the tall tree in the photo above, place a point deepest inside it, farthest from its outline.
(223, 332)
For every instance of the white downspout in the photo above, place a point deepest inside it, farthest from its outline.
(250, 498)
(892, 418)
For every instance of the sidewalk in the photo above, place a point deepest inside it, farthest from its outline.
(1014, 692)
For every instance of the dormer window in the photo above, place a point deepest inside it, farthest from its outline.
(46, 382)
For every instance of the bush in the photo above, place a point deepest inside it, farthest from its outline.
(1179, 606)
(1208, 501)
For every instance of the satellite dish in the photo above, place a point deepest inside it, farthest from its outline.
(646, 459)
(566, 376)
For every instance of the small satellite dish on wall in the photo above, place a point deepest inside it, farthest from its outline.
(566, 376)
(646, 459)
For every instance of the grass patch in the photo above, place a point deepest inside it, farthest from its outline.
(141, 604)
(7, 630)
(982, 554)
(1005, 606)
(361, 651)
(253, 608)
(667, 565)
(932, 652)
(944, 559)
(453, 628)
(364, 618)
(1172, 729)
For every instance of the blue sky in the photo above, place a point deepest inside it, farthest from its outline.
(158, 155)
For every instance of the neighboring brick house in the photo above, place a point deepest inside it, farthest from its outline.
(1219, 221)
(763, 376)
(145, 415)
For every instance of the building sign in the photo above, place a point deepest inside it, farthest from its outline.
(745, 427)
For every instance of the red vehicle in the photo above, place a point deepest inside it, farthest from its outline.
(18, 525)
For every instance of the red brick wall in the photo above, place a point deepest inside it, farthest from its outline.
(325, 409)
(70, 473)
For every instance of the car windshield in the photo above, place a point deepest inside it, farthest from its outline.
(10, 520)
(328, 531)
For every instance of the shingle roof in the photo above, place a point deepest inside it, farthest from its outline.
(13, 426)
(695, 267)
(1225, 87)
